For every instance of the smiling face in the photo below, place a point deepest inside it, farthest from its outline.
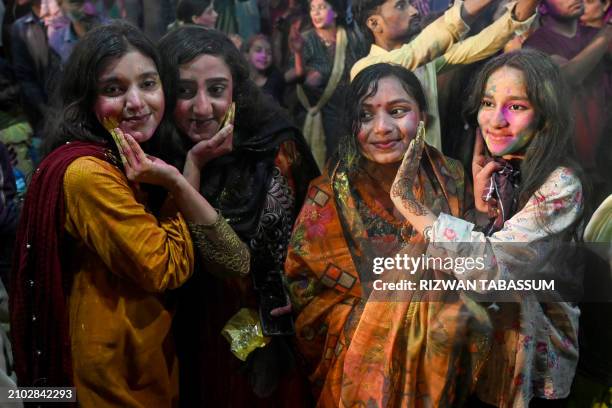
(130, 91)
(322, 14)
(204, 95)
(395, 22)
(389, 121)
(208, 18)
(506, 116)
(260, 54)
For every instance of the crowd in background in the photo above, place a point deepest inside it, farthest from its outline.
(300, 73)
(286, 42)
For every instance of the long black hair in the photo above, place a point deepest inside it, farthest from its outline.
(253, 109)
(552, 145)
(73, 117)
(364, 86)
(237, 182)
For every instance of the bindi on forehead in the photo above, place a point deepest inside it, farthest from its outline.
(371, 105)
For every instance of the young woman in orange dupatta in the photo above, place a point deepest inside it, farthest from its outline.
(361, 351)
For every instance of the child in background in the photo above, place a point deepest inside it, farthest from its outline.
(266, 76)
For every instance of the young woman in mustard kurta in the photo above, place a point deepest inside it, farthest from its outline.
(101, 240)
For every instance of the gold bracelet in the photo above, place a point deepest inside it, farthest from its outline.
(217, 243)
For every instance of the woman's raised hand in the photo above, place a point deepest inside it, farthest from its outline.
(207, 150)
(401, 189)
(481, 173)
(296, 40)
(143, 168)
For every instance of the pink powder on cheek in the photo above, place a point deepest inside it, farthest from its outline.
(362, 140)
(106, 107)
(258, 57)
(330, 17)
(518, 121)
(182, 113)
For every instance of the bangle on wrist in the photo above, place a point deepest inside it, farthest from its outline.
(218, 244)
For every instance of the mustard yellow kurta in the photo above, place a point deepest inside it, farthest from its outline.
(122, 259)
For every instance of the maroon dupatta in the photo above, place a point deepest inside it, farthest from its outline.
(39, 284)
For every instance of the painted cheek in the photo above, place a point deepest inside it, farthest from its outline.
(329, 18)
(511, 118)
(182, 113)
(519, 121)
(362, 138)
(519, 141)
(106, 107)
(219, 106)
(402, 148)
(408, 125)
(525, 136)
(496, 149)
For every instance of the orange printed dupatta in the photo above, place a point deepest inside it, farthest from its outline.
(407, 353)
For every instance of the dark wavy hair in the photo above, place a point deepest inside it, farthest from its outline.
(73, 117)
(552, 146)
(339, 7)
(364, 86)
(186, 43)
(186, 9)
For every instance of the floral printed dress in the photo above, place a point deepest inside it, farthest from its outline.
(535, 344)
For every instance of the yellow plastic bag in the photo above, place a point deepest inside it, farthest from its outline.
(243, 331)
